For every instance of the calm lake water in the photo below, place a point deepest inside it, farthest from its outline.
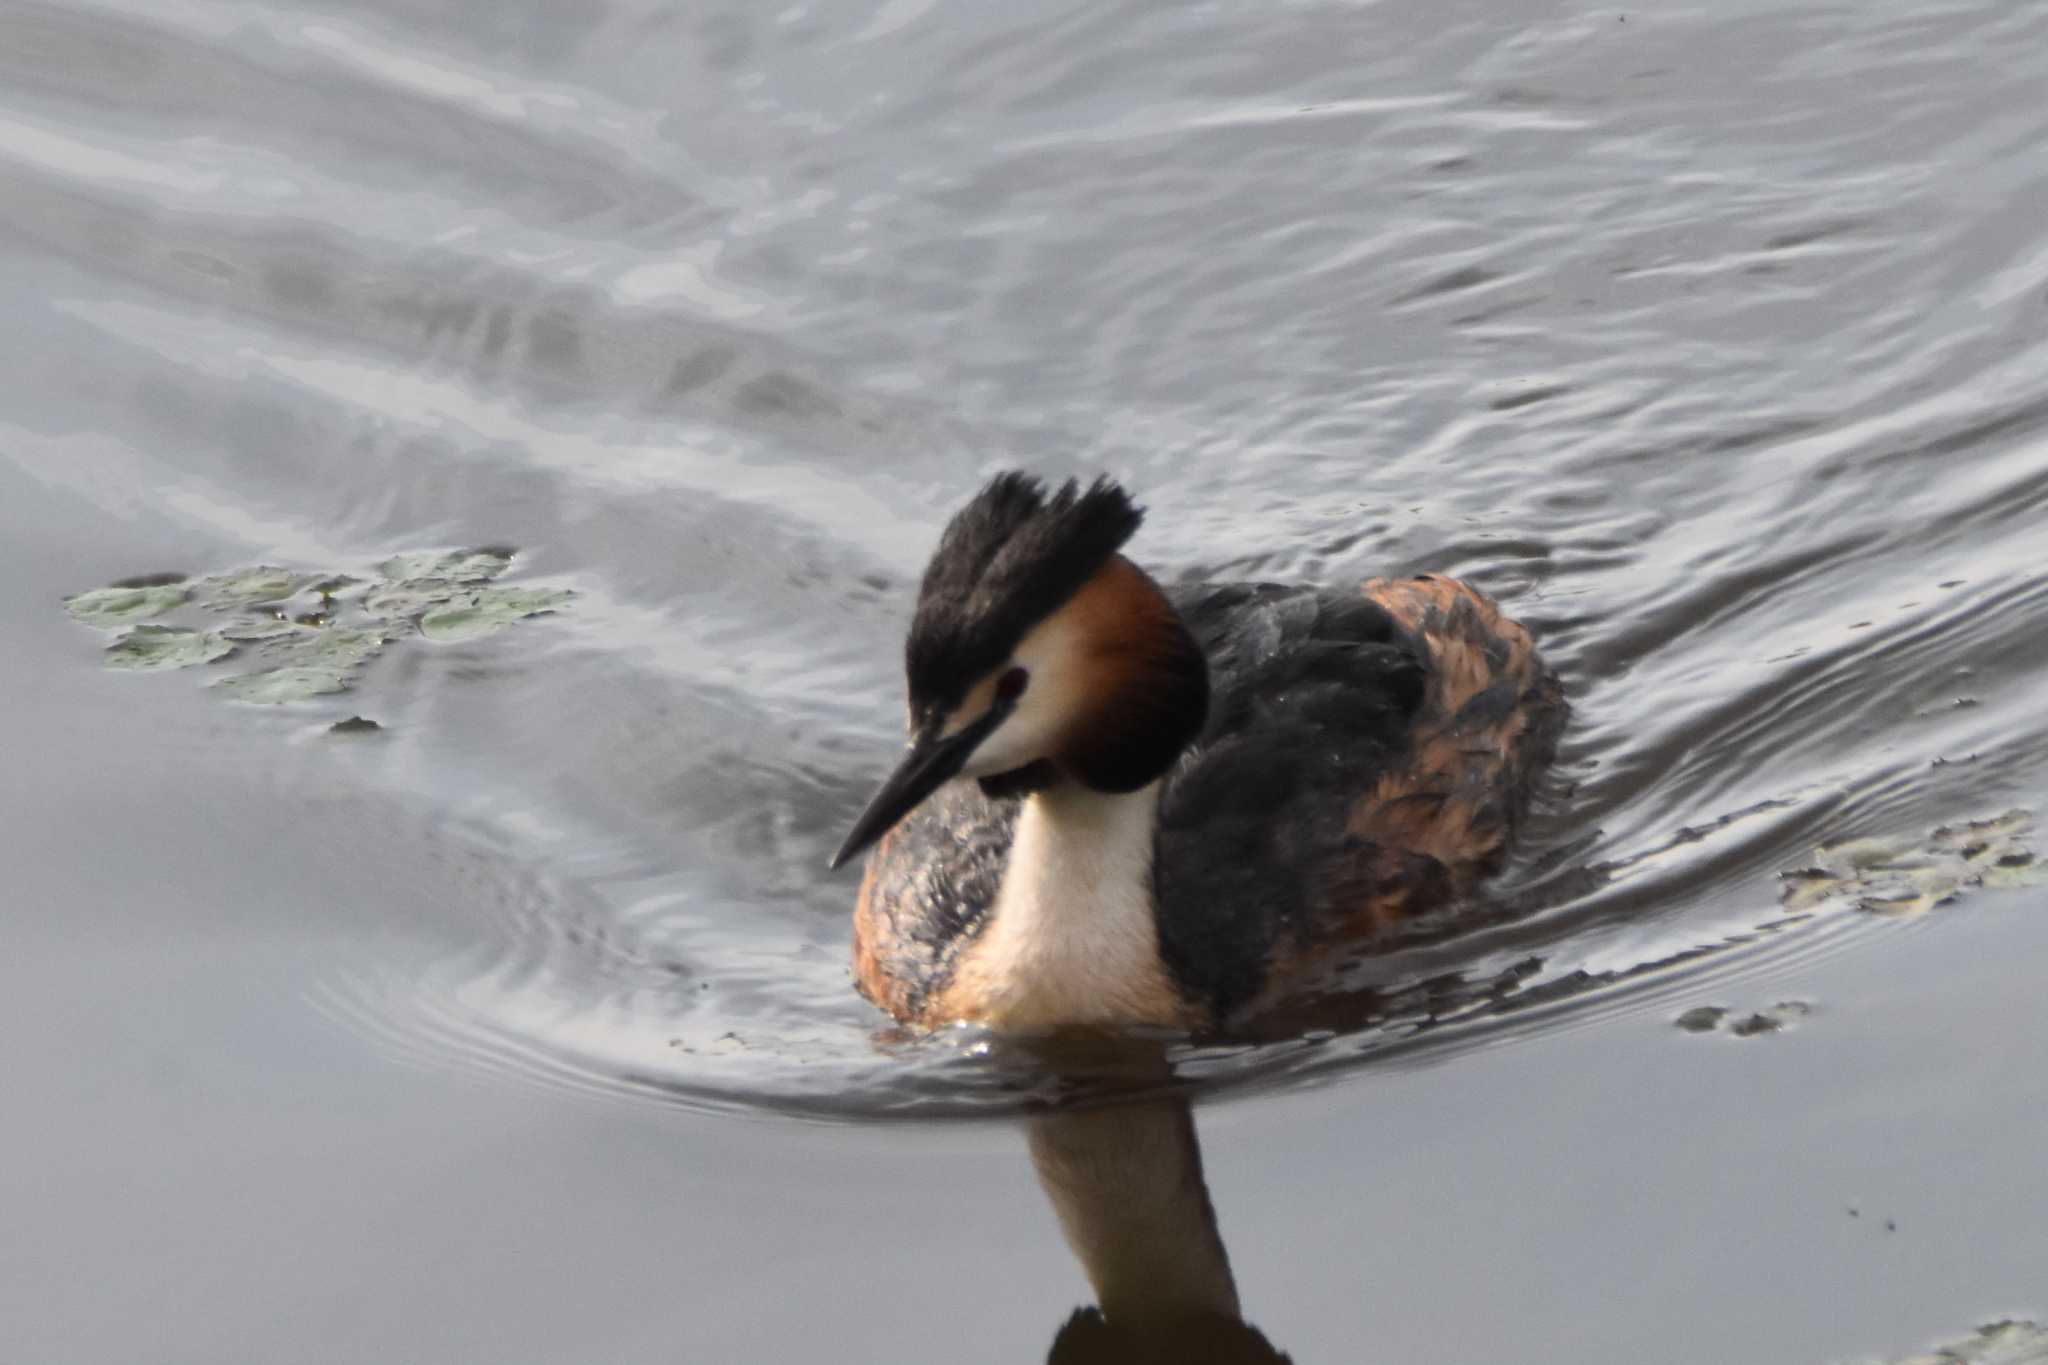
(1712, 339)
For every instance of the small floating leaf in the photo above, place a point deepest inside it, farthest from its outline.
(1901, 877)
(133, 600)
(485, 610)
(409, 598)
(275, 686)
(1701, 1019)
(264, 626)
(308, 633)
(1708, 1018)
(2012, 1342)
(147, 648)
(335, 647)
(459, 566)
(264, 583)
(2019, 870)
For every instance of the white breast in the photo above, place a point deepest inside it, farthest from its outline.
(1072, 939)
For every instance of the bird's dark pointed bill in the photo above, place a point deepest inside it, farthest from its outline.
(932, 761)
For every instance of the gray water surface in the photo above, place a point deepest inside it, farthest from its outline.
(1712, 340)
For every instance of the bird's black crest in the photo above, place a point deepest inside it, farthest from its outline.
(1009, 559)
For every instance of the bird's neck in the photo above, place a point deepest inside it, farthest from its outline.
(1073, 937)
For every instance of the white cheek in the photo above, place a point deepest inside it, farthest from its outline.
(1050, 658)
(1025, 737)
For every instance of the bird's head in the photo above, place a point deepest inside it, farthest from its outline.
(1039, 654)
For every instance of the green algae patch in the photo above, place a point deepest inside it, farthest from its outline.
(1701, 1019)
(1913, 876)
(2012, 1342)
(397, 601)
(275, 686)
(453, 566)
(145, 649)
(330, 646)
(264, 583)
(311, 660)
(135, 599)
(267, 625)
(487, 611)
(1758, 1023)
(301, 634)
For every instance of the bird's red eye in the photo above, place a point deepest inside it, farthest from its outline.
(1010, 686)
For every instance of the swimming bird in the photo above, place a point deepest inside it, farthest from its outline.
(1129, 805)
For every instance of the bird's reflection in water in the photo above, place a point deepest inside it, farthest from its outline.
(1125, 1181)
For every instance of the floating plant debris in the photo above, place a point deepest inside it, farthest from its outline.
(300, 634)
(1910, 877)
(408, 597)
(1770, 1020)
(2012, 1342)
(1701, 1019)
(145, 648)
(276, 685)
(355, 725)
(1716, 1018)
(454, 566)
(132, 599)
(264, 625)
(263, 583)
(484, 610)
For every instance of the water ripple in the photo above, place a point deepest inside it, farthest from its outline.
(1712, 342)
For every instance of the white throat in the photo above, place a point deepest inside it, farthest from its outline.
(1071, 938)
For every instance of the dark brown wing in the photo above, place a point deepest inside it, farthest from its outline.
(1367, 757)
(1488, 723)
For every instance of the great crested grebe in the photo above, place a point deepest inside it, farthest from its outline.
(1181, 796)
